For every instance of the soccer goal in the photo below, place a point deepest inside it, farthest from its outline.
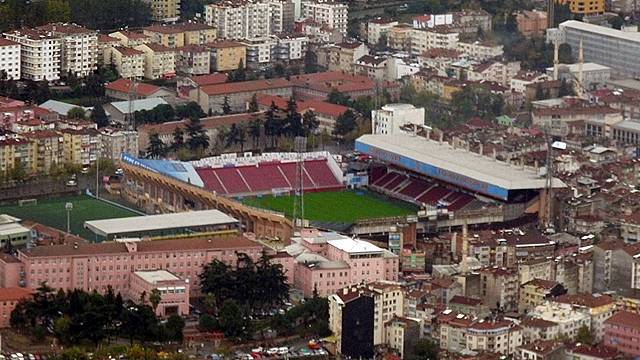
(280, 191)
(27, 202)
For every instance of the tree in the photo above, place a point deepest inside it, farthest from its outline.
(253, 104)
(336, 97)
(310, 62)
(237, 135)
(255, 130)
(425, 349)
(174, 327)
(294, 119)
(233, 321)
(226, 108)
(178, 139)
(310, 122)
(156, 149)
(99, 116)
(57, 11)
(272, 125)
(154, 298)
(189, 110)
(76, 113)
(345, 124)
(616, 22)
(207, 323)
(585, 336)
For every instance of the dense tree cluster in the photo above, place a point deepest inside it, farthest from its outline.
(94, 14)
(77, 317)
(255, 286)
(310, 317)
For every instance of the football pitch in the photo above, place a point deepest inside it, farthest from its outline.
(51, 212)
(336, 206)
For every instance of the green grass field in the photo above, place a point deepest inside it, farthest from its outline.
(337, 206)
(51, 212)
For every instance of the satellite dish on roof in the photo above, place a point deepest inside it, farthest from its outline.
(559, 145)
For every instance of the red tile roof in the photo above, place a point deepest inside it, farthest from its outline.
(245, 86)
(127, 51)
(593, 352)
(132, 35)
(586, 300)
(210, 79)
(624, 319)
(464, 300)
(317, 106)
(124, 85)
(106, 38)
(543, 347)
(537, 323)
(65, 28)
(6, 42)
(541, 283)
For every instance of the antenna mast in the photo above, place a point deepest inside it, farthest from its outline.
(300, 146)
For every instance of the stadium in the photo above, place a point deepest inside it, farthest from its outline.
(410, 179)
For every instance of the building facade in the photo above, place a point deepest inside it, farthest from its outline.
(40, 54)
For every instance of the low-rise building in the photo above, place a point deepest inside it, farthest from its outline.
(569, 320)
(227, 55)
(131, 38)
(373, 67)
(392, 117)
(536, 292)
(124, 89)
(542, 350)
(9, 298)
(532, 22)
(378, 28)
(174, 291)
(598, 307)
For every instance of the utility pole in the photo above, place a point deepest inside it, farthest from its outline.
(300, 146)
(68, 207)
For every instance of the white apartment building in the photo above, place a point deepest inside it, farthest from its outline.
(114, 142)
(282, 16)
(480, 51)
(39, 52)
(332, 14)
(377, 28)
(569, 320)
(79, 48)
(291, 47)
(159, 61)
(439, 37)
(391, 117)
(239, 19)
(193, 60)
(259, 49)
(499, 336)
(10, 58)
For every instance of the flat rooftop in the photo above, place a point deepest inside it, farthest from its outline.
(159, 222)
(355, 246)
(601, 30)
(156, 276)
(453, 165)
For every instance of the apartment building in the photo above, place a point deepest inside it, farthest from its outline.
(459, 333)
(179, 35)
(343, 56)
(282, 16)
(114, 142)
(532, 22)
(377, 28)
(333, 14)
(10, 58)
(105, 44)
(436, 37)
(351, 321)
(535, 292)
(40, 54)
(480, 51)
(622, 332)
(499, 287)
(388, 299)
(16, 152)
(598, 307)
(48, 148)
(568, 319)
(260, 50)
(227, 55)
(373, 67)
(79, 48)
(193, 60)
(129, 62)
(239, 19)
(81, 146)
(131, 38)
(402, 334)
(392, 117)
(165, 10)
(585, 7)
(174, 291)
(598, 43)
(290, 47)
(159, 61)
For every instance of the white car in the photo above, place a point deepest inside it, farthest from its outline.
(272, 351)
(283, 350)
(257, 350)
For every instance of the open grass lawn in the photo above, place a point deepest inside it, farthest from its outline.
(337, 206)
(51, 212)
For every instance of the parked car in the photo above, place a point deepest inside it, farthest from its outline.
(72, 183)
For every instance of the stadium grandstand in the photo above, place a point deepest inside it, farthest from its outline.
(438, 176)
(268, 173)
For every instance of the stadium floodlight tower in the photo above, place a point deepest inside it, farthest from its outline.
(300, 146)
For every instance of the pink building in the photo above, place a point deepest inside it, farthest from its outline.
(622, 332)
(96, 266)
(9, 297)
(327, 262)
(174, 291)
